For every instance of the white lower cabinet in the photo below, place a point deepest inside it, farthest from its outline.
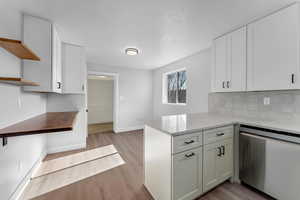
(217, 163)
(187, 174)
(181, 168)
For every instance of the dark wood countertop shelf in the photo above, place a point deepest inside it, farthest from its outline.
(44, 123)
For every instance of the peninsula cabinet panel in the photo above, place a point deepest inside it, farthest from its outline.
(41, 36)
(225, 162)
(217, 163)
(187, 174)
(273, 51)
(74, 68)
(210, 161)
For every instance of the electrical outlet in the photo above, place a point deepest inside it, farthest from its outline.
(267, 101)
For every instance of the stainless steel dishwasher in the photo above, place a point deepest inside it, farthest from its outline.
(270, 162)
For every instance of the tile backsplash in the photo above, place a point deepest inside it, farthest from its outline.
(283, 104)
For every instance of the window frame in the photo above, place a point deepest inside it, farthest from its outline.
(165, 88)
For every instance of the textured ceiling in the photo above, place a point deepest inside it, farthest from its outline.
(163, 30)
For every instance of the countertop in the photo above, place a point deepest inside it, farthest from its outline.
(44, 123)
(188, 123)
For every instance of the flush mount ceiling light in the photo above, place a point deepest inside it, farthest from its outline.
(132, 51)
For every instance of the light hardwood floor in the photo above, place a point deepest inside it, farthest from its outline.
(100, 128)
(126, 182)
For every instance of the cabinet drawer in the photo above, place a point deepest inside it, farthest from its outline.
(185, 142)
(218, 134)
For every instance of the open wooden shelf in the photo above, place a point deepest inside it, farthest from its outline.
(45, 123)
(17, 81)
(19, 49)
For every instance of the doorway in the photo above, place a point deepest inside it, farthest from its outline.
(102, 102)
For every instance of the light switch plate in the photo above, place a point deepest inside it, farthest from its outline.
(267, 101)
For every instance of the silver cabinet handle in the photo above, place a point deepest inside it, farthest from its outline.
(189, 155)
(220, 134)
(223, 84)
(228, 84)
(82, 87)
(189, 142)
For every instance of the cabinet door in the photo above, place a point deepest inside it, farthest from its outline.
(37, 35)
(74, 69)
(211, 153)
(225, 161)
(236, 74)
(56, 61)
(220, 64)
(273, 51)
(187, 174)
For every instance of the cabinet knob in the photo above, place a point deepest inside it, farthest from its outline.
(223, 84)
(228, 84)
(82, 87)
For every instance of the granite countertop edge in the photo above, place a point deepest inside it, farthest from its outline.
(223, 124)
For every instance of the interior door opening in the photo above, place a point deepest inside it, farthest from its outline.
(101, 93)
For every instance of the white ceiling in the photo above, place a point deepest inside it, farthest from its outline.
(163, 30)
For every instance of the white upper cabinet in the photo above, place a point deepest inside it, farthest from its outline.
(74, 69)
(56, 61)
(220, 64)
(273, 51)
(41, 36)
(229, 62)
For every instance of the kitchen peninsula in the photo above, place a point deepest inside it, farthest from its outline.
(187, 155)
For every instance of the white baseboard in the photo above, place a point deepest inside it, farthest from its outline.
(22, 186)
(66, 148)
(132, 128)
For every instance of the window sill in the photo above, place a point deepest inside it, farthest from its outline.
(175, 104)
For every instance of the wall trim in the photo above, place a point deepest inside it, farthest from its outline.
(16, 195)
(131, 128)
(66, 148)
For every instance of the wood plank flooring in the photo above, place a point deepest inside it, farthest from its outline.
(126, 182)
(100, 128)
(61, 163)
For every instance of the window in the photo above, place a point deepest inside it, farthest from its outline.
(174, 91)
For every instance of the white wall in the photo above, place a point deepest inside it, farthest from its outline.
(76, 139)
(100, 101)
(198, 85)
(135, 96)
(21, 153)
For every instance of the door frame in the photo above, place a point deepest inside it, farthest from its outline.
(115, 95)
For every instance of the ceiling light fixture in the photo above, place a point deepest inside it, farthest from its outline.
(132, 51)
